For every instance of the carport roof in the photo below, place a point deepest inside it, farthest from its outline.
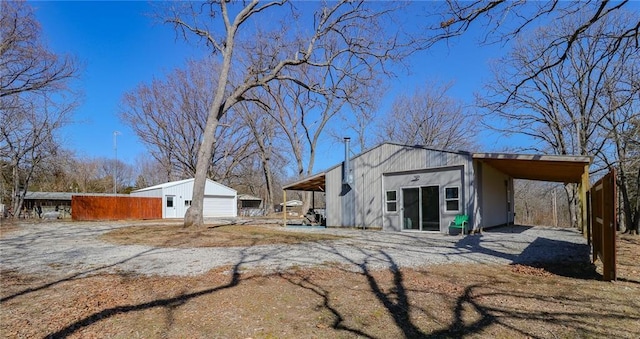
(313, 183)
(556, 168)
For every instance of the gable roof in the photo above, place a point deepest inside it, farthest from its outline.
(181, 182)
(316, 182)
(556, 168)
(165, 185)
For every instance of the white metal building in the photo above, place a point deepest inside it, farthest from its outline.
(219, 200)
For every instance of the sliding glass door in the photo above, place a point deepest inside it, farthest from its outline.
(430, 208)
(421, 208)
(411, 208)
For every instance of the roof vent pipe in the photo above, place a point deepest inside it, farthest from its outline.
(347, 176)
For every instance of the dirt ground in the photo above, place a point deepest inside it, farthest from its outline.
(329, 301)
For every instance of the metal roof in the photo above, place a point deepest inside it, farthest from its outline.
(314, 183)
(48, 195)
(65, 195)
(165, 185)
(556, 168)
(180, 182)
(248, 197)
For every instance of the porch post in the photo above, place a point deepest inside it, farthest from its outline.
(584, 187)
(284, 207)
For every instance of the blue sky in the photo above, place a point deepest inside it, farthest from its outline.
(121, 46)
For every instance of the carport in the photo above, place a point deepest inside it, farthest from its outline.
(314, 183)
(554, 168)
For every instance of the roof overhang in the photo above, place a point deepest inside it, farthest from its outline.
(555, 168)
(314, 183)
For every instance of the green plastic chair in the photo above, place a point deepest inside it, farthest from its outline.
(461, 221)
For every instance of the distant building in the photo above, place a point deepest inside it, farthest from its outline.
(48, 202)
(249, 201)
(219, 200)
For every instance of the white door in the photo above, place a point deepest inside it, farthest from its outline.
(170, 207)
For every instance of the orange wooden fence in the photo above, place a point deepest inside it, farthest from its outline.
(87, 207)
(603, 227)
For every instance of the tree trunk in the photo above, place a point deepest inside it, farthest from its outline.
(636, 214)
(268, 179)
(194, 215)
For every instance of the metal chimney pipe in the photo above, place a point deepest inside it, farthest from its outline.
(346, 176)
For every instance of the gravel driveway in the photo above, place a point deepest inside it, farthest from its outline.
(74, 248)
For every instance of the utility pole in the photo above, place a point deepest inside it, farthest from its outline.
(115, 166)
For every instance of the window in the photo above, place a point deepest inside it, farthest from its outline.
(452, 198)
(169, 201)
(392, 201)
(187, 203)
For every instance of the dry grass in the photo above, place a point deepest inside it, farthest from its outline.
(218, 236)
(494, 301)
(7, 226)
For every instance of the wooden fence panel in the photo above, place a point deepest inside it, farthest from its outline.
(603, 224)
(86, 207)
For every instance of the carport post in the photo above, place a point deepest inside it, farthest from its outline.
(584, 187)
(284, 207)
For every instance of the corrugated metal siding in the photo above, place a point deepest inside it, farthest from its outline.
(494, 197)
(368, 169)
(115, 208)
(181, 192)
(440, 177)
(218, 189)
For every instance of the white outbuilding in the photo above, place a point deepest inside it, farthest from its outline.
(219, 200)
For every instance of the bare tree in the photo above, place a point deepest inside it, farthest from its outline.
(428, 117)
(26, 65)
(264, 131)
(504, 20)
(169, 117)
(305, 115)
(539, 203)
(620, 135)
(150, 172)
(563, 108)
(35, 101)
(343, 34)
(55, 172)
(28, 138)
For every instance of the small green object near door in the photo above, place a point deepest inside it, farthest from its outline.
(461, 221)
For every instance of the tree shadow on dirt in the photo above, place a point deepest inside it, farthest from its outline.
(477, 307)
(168, 303)
(72, 277)
(395, 300)
(558, 257)
(325, 295)
(473, 300)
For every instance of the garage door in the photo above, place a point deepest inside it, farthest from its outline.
(219, 206)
